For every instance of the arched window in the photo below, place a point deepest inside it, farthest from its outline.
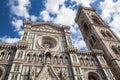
(9, 54)
(96, 20)
(16, 67)
(34, 57)
(28, 57)
(77, 70)
(87, 61)
(2, 56)
(102, 59)
(14, 77)
(108, 33)
(55, 59)
(79, 78)
(40, 58)
(48, 57)
(66, 59)
(61, 59)
(81, 61)
(20, 54)
(92, 62)
(115, 50)
(74, 58)
(103, 34)
(93, 38)
(85, 26)
(91, 43)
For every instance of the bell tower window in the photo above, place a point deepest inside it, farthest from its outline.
(93, 38)
(95, 20)
(115, 50)
(103, 34)
(85, 27)
(109, 35)
(106, 34)
(91, 43)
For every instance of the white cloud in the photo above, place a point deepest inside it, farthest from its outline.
(19, 11)
(19, 7)
(33, 18)
(44, 15)
(111, 11)
(65, 16)
(84, 2)
(78, 41)
(115, 24)
(7, 39)
(17, 24)
(74, 29)
(53, 5)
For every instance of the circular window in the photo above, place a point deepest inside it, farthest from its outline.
(49, 42)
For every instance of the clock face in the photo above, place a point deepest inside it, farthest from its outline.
(47, 42)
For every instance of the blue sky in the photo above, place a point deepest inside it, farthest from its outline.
(61, 12)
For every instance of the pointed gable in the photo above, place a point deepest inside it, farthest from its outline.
(48, 73)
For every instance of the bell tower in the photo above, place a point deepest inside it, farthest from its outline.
(98, 35)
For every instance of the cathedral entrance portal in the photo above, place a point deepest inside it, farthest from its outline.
(93, 76)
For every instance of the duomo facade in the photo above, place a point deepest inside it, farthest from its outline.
(45, 52)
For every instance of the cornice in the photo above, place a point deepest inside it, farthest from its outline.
(77, 51)
(19, 45)
(46, 23)
(80, 9)
(7, 46)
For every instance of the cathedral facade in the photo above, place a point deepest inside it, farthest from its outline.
(45, 52)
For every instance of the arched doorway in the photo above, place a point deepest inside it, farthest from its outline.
(93, 76)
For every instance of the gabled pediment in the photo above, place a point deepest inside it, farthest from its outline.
(48, 73)
(45, 26)
(49, 27)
